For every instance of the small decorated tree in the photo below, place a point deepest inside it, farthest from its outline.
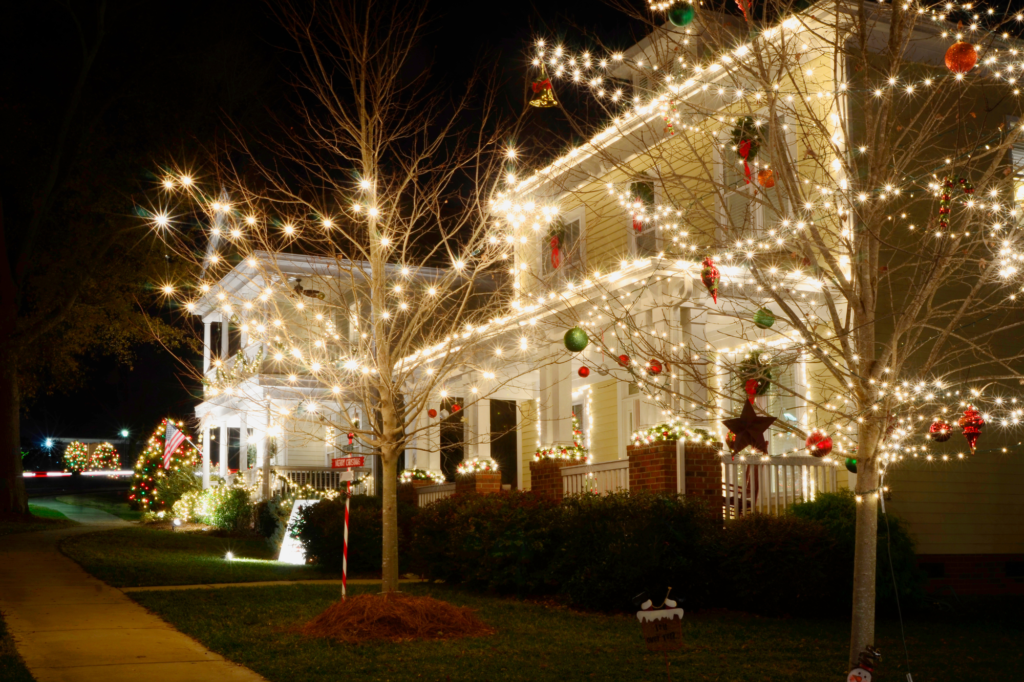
(76, 456)
(149, 469)
(104, 457)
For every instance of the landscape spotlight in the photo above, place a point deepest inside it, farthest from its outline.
(124, 433)
(229, 556)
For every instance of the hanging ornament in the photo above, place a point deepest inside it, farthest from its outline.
(543, 95)
(432, 413)
(764, 318)
(971, 423)
(624, 360)
(556, 254)
(747, 139)
(709, 277)
(584, 372)
(851, 464)
(351, 436)
(655, 366)
(940, 431)
(757, 374)
(456, 407)
(961, 57)
(766, 178)
(750, 388)
(749, 430)
(681, 13)
(743, 4)
(819, 443)
(946, 198)
(576, 340)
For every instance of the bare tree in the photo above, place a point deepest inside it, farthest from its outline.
(379, 181)
(855, 199)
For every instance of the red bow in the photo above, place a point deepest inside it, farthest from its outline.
(751, 388)
(556, 253)
(541, 85)
(744, 152)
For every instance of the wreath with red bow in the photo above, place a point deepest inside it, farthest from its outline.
(747, 138)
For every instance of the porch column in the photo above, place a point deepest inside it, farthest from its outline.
(695, 340)
(206, 347)
(243, 442)
(223, 449)
(556, 399)
(478, 427)
(207, 453)
(225, 321)
(801, 388)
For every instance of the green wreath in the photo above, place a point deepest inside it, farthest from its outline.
(756, 367)
(747, 131)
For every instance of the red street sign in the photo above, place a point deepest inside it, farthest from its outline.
(346, 462)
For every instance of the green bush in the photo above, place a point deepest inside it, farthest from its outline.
(224, 507)
(780, 565)
(837, 513)
(320, 528)
(505, 542)
(175, 483)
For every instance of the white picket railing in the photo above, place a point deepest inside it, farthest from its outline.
(770, 487)
(600, 479)
(429, 494)
(287, 479)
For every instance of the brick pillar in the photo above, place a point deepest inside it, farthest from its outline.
(704, 473)
(408, 493)
(546, 477)
(481, 482)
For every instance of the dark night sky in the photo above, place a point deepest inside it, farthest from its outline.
(195, 65)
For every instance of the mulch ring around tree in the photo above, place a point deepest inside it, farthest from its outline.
(394, 617)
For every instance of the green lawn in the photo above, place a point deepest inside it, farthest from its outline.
(12, 669)
(256, 627)
(41, 519)
(115, 503)
(139, 556)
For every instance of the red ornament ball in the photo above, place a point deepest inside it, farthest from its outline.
(583, 372)
(655, 366)
(940, 431)
(624, 360)
(961, 57)
(455, 408)
(431, 413)
(819, 443)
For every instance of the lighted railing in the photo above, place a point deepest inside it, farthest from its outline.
(429, 494)
(600, 479)
(770, 487)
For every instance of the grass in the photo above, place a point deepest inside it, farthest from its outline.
(39, 518)
(139, 556)
(115, 503)
(12, 668)
(538, 642)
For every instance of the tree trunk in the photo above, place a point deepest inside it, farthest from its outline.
(389, 563)
(865, 561)
(12, 484)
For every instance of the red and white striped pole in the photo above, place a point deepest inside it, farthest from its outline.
(344, 556)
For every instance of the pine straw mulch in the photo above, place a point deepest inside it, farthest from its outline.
(394, 617)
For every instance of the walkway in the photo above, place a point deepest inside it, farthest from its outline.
(71, 627)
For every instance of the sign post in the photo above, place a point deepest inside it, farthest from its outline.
(344, 556)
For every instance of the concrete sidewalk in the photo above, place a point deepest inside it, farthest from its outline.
(71, 627)
(78, 512)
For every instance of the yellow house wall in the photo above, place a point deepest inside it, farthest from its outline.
(969, 507)
(605, 421)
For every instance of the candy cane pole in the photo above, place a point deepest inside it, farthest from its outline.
(344, 556)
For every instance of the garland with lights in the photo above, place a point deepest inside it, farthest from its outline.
(410, 475)
(671, 431)
(577, 452)
(149, 468)
(476, 466)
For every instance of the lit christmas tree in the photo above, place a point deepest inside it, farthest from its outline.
(149, 468)
(76, 456)
(104, 457)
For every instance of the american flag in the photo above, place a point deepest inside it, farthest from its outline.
(172, 441)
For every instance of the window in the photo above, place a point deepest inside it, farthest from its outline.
(643, 227)
(562, 255)
(748, 210)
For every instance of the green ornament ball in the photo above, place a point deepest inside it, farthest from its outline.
(681, 14)
(851, 465)
(764, 319)
(576, 339)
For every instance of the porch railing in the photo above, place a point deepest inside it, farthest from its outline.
(602, 478)
(770, 487)
(429, 494)
(288, 479)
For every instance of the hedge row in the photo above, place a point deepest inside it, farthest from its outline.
(601, 551)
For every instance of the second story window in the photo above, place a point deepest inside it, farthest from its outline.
(643, 228)
(562, 252)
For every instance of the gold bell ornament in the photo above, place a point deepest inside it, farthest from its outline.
(543, 95)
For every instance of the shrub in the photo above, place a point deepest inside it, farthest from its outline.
(224, 507)
(778, 565)
(505, 542)
(320, 528)
(837, 513)
(613, 547)
(175, 483)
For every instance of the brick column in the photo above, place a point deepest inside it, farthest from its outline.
(652, 468)
(485, 482)
(546, 477)
(408, 493)
(704, 474)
